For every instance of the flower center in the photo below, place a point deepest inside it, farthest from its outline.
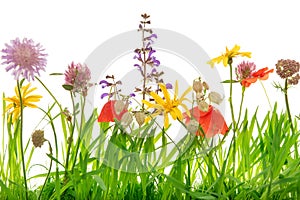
(24, 56)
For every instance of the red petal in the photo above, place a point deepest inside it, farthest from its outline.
(108, 113)
(212, 121)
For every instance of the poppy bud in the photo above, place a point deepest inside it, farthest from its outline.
(193, 126)
(119, 106)
(205, 85)
(126, 119)
(215, 97)
(197, 86)
(140, 118)
(203, 106)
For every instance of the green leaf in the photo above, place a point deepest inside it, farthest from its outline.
(230, 81)
(56, 74)
(100, 181)
(68, 87)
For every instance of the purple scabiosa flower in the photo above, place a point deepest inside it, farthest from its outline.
(24, 58)
(77, 78)
(244, 70)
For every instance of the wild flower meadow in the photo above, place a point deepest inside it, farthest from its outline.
(136, 153)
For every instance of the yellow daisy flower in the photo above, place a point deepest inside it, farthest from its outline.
(167, 105)
(225, 57)
(27, 99)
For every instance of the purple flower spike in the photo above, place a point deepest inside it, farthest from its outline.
(24, 58)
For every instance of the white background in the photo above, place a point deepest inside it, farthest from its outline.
(71, 30)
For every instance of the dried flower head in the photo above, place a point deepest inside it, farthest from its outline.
(24, 58)
(37, 138)
(203, 106)
(197, 86)
(215, 97)
(288, 69)
(77, 78)
(205, 85)
(244, 70)
(126, 119)
(193, 126)
(140, 118)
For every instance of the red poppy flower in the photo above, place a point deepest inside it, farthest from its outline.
(262, 74)
(212, 122)
(108, 113)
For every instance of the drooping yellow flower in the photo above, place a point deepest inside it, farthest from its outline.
(14, 107)
(167, 105)
(228, 55)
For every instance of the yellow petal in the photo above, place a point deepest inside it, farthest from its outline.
(176, 89)
(165, 92)
(188, 90)
(157, 98)
(166, 121)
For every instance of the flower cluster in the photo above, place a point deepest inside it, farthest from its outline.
(77, 78)
(288, 69)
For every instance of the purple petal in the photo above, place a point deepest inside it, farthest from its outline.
(104, 95)
(169, 86)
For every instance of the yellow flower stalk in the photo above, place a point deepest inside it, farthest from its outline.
(14, 107)
(228, 55)
(167, 105)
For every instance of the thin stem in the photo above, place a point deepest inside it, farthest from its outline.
(21, 139)
(230, 97)
(70, 139)
(241, 105)
(266, 94)
(49, 171)
(289, 113)
(80, 130)
(144, 66)
(287, 104)
(233, 119)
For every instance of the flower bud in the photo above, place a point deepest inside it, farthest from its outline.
(38, 138)
(203, 106)
(119, 106)
(197, 86)
(215, 97)
(126, 119)
(140, 118)
(205, 85)
(193, 126)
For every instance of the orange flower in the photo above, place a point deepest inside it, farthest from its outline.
(212, 122)
(108, 113)
(262, 74)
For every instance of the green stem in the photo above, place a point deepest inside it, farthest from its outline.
(230, 97)
(241, 105)
(79, 134)
(266, 94)
(70, 139)
(48, 174)
(21, 139)
(54, 132)
(289, 114)
(287, 104)
(233, 119)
